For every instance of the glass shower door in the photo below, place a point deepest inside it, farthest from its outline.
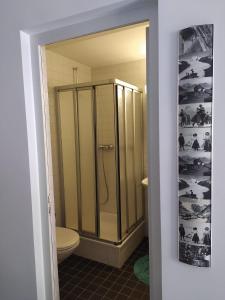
(130, 173)
(86, 159)
(138, 152)
(130, 156)
(77, 148)
(68, 166)
(122, 160)
(107, 162)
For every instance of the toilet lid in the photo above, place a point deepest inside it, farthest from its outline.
(66, 238)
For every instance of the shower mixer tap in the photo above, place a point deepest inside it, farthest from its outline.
(106, 147)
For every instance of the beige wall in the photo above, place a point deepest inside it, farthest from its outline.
(60, 72)
(131, 72)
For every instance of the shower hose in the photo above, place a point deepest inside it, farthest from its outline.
(105, 179)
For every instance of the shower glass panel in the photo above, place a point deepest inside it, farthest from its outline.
(129, 133)
(86, 146)
(122, 161)
(68, 161)
(138, 152)
(106, 157)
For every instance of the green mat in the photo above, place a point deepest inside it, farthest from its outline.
(141, 269)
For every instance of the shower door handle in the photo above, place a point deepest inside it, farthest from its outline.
(106, 147)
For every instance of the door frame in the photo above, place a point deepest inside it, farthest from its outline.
(42, 198)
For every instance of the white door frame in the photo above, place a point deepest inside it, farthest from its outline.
(114, 16)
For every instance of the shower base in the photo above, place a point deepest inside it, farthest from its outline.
(111, 254)
(108, 228)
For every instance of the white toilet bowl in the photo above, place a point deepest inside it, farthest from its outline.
(66, 241)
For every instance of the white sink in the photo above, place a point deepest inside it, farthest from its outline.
(145, 181)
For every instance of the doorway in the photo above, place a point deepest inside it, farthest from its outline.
(41, 189)
(99, 160)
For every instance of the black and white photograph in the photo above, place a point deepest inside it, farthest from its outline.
(196, 66)
(195, 255)
(194, 188)
(194, 221)
(196, 90)
(195, 115)
(194, 141)
(196, 165)
(196, 39)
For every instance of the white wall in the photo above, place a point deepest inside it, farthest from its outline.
(181, 281)
(17, 276)
(17, 260)
(60, 72)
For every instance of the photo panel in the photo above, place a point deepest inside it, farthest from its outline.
(196, 39)
(195, 141)
(194, 188)
(195, 115)
(195, 255)
(195, 66)
(195, 221)
(195, 90)
(196, 166)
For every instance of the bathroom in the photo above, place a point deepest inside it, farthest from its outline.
(99, 162)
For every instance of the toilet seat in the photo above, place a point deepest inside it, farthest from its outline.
(66, 238)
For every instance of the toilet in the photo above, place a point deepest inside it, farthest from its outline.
(66, 241)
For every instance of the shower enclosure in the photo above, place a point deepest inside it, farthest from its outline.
(100, 132)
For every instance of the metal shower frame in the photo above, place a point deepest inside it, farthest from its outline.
(74, 88)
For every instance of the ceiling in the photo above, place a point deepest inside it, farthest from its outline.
(107, 48)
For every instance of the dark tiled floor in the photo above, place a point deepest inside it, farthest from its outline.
(80, 278)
